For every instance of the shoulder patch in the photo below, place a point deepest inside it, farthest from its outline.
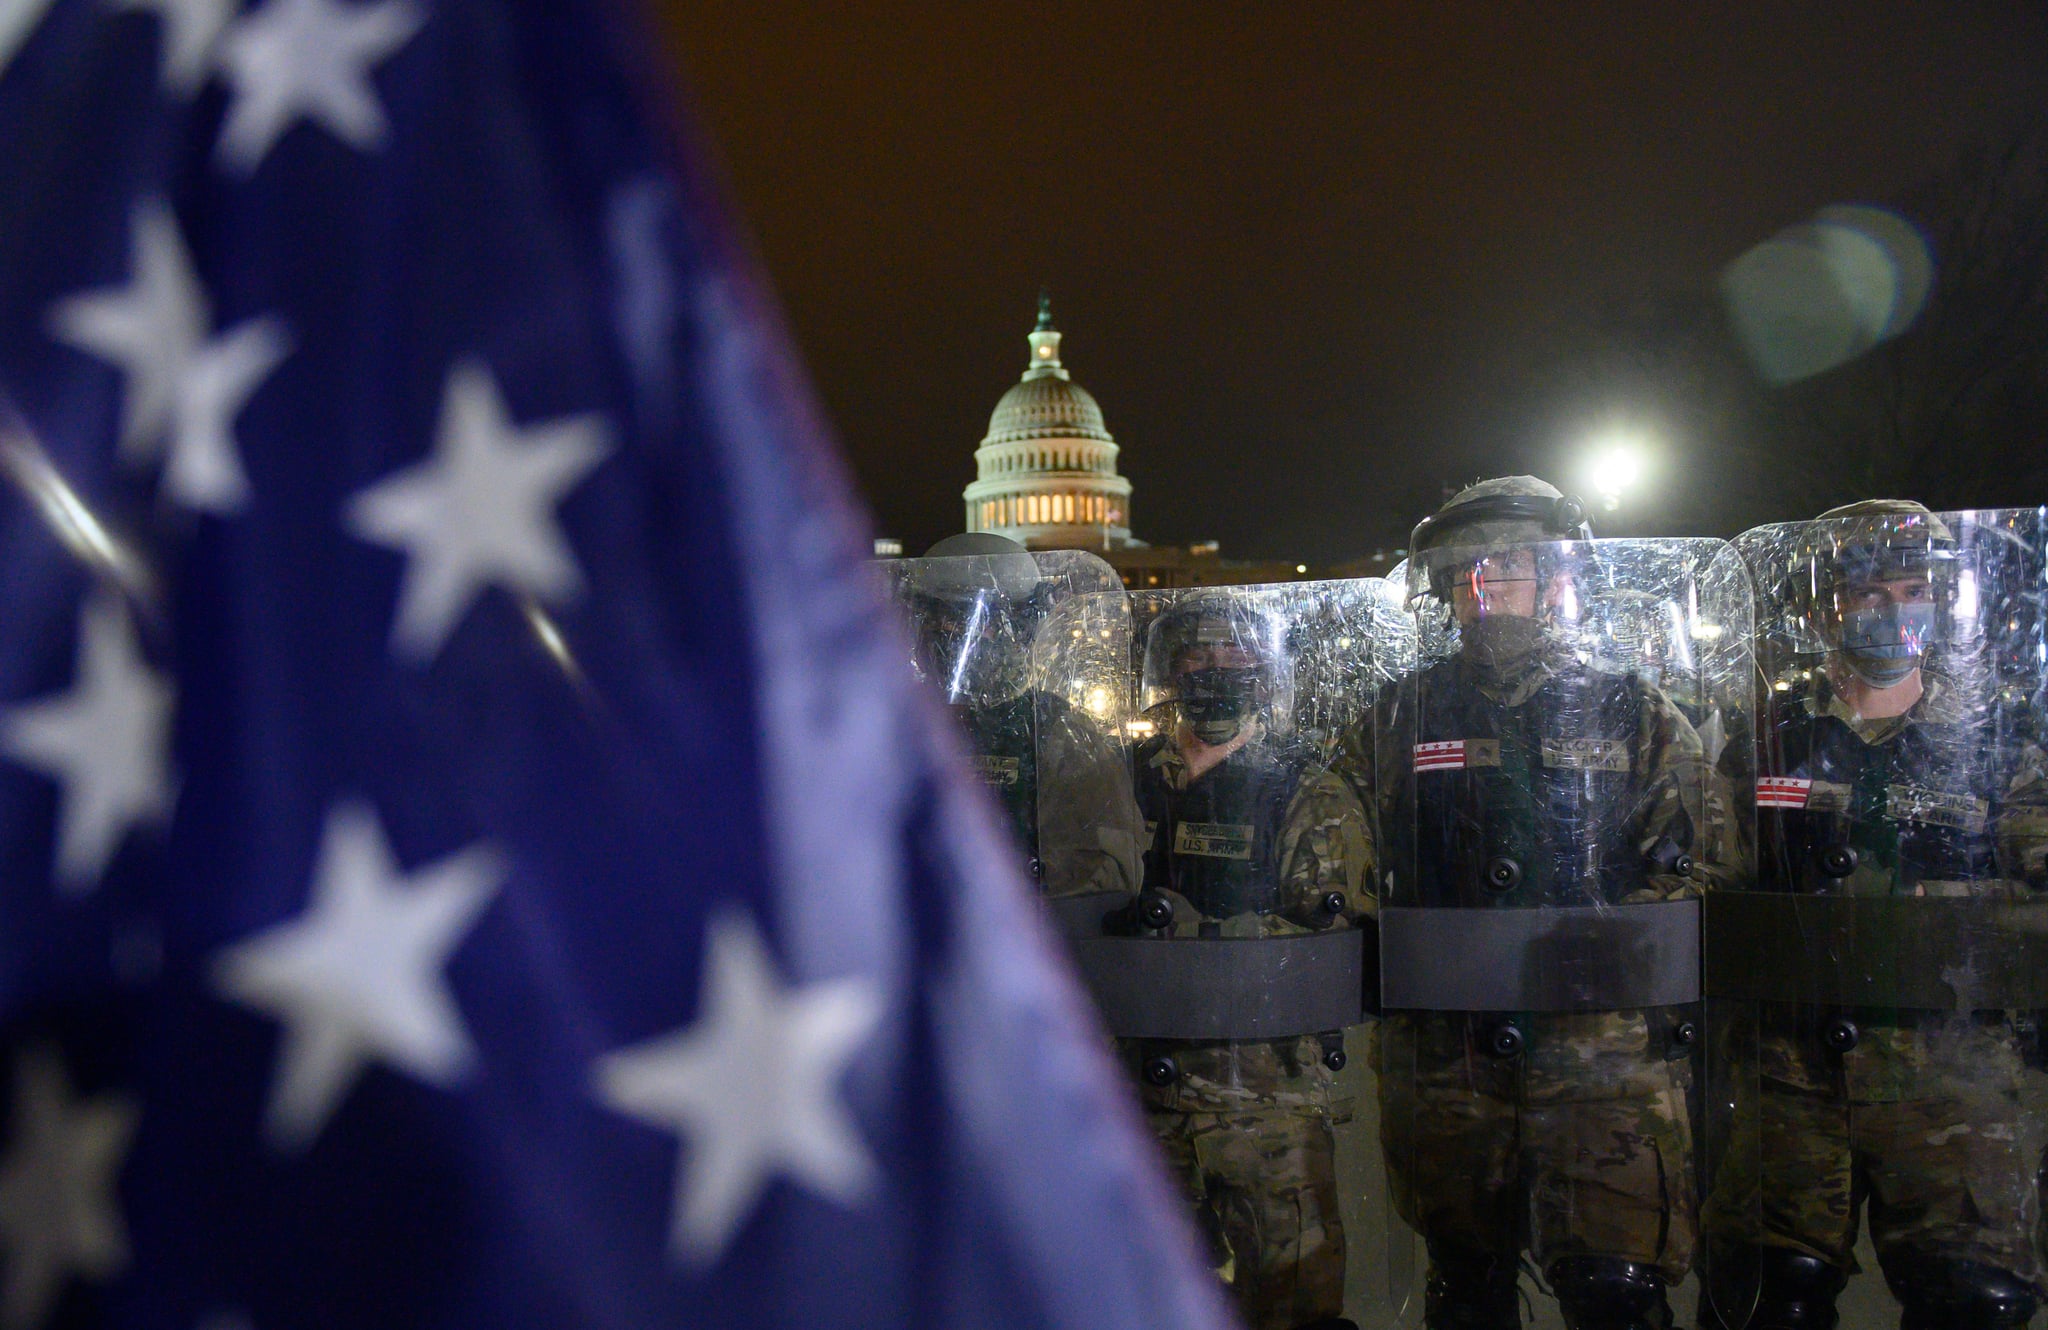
(1782, 791)
(1457, 754)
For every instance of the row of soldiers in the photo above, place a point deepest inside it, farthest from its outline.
(1677, 899)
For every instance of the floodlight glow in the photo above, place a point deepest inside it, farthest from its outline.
(1615, 468)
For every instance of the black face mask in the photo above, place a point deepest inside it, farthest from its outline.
(1500, 643)
(1216, 702)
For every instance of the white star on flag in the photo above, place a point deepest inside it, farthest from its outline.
(752, 1085)
(480, 511)
(106, 743)
(181, 385)
(358, 976)
(59, 1215)
(191, 34)
(310, 59)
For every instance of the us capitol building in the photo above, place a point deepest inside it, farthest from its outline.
(1046, 477)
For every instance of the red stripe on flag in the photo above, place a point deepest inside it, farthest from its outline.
(1782, 792)
(1444, 755)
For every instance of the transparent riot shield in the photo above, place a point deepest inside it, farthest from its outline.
(1236, 983)
(1558, 779)
(1896, 937)
(1032, 651)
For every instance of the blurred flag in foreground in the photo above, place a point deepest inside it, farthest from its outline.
(469, 855)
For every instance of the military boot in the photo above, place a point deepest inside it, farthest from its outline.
(1470, 1290)
(1940, 1294)
(1607, 1293)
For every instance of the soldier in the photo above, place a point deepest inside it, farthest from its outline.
(1903, 822)
(1066, 785)
(1535, 1051)
(1249, 841)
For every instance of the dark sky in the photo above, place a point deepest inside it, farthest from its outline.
(1302, 254)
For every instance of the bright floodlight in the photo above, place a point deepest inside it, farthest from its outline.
(1614, 465)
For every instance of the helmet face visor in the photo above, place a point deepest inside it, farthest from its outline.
(986, 629)
(1219, 657)
(1506, 579)
(1481, 584)
(1881, 595)
(975, 650)
(1217, 702)
(1885, 590)
(1888, 617)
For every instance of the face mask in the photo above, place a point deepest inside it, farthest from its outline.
(1884, 645)
(1880, 673)
(1499, 642)
(1216, 702)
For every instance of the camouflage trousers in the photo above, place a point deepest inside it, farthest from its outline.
(1941, 1146)
(1580, 1146)
(1264, 1185)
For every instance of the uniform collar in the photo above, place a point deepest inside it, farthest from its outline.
(1940, 704)
(1172, 764)
(1519, 682)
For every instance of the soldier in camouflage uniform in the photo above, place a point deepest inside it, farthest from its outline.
(1896, 770)
(1516, 773)
(1064, 783)
(1248, 840)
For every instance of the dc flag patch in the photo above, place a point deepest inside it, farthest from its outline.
(1782, 791)
(1444, 755)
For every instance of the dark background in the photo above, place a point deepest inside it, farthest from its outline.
(1318, 262)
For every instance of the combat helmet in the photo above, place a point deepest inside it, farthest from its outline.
(974, 612)
(1876, 538)
(1500, 513)
(1217, 699)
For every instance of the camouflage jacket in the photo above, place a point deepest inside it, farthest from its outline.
(1947, 800)
(1067, 790)
(1253, 844)
(1285, 834)
(1594, 782)
(1590, 771)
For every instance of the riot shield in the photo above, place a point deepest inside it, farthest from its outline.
(1031, 652)
(1237, 982)
(1896, 938)
(1550, 819)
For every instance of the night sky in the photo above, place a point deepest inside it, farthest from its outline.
(1312, 260)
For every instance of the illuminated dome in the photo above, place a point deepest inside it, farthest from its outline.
(1046, 472)
(1047, 405)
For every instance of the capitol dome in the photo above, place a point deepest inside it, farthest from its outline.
(1046, 472)
(1046, 406)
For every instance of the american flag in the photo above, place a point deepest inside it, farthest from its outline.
(469, 854)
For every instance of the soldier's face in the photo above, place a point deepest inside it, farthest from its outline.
(1884, 625)
(1913, 589)
(1214, 656)
(1219, 687)
(1498, 585)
